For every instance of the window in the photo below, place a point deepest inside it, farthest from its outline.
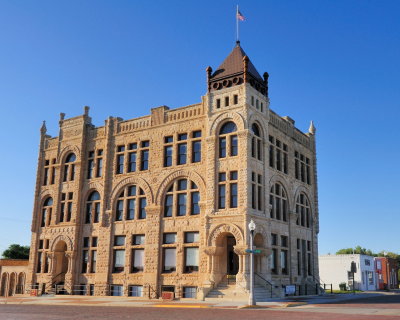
(191, 259)
(119, 261)
(235, 99)
(183, 194)
(303, 211)
(66, 207)
(85, 260)
(46, 212)
(196, 151)
(145, 155)
(182, 150)
(117, 290)
(284, 262)
(119, 240)
(284, 241)
(49, 174)
(169, 238)
(278, 155)
(168, 150)
(169, 260)
(131, 204)
(256, 191)
(120, 159)
(95, 164)
(137, 260)
(227, 134)
(133, 156)
(138, 239)
(226, 101)
(278, 202)
(69, 168)
(39, 263)
(190, 292)
(225, 186)
(191, 237)
(218, 103)
(256, 142)
(367, 262)
(274, 259)
(135, 291)
(93, 208)
(302, 167)
(93, 261)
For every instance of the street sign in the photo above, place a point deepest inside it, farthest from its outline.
(253, 251)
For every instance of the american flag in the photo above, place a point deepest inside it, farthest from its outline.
(239, 16)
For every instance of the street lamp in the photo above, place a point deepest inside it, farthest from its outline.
(252, 227)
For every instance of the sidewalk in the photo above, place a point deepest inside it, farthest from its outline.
(187, 303)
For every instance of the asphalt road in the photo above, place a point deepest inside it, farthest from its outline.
(325, 312)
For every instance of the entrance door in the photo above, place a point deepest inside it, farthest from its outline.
(233, 259)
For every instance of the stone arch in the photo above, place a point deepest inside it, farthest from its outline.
(306, 192)
(191, 175)
(12, 283)
(255, 118)
(21, 283)
(129, 181)
(224, 117)
(59, 238)
(93, 186)
(67, 150)
(260, 231)
(3, 284)
(276, 178)
(44, 195)
(221, 229)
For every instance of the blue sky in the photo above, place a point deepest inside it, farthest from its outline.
(334, 62)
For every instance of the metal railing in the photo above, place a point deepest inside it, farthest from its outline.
(265, 282)
(151, 289)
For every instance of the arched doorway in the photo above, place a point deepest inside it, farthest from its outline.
(3, 284)
(60, 267)
(11, 286)
(228, 260)
(21, 283)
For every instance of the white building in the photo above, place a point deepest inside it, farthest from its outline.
(336, 269)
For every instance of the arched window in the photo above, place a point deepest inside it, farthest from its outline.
(93, 208)
(303, 211)
(278, 202)
(182, 194)
(256, 142)
(69, 168)
(46, 212)
(131, 204)
(228, 140)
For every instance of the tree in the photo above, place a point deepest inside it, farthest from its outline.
(16, 251)
(356, 250)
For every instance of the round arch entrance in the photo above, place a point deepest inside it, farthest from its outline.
(60, 267)
(227, 261)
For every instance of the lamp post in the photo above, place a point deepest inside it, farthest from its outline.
(252, 227)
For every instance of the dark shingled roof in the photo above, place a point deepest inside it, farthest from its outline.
(234, 64)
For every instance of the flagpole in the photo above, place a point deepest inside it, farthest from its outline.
(237, 23)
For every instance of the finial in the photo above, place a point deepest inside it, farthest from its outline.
(266, 76)
(43, 129)
(238, 43)
(62, 116)
(86, 110)
(312, 128)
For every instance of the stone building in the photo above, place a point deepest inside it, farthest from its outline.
(12, 276)
(162, 202)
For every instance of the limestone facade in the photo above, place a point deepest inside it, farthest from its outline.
(207, 168)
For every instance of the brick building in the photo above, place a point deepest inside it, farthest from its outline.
(162, 202)
(387, 270)
(12, 276)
